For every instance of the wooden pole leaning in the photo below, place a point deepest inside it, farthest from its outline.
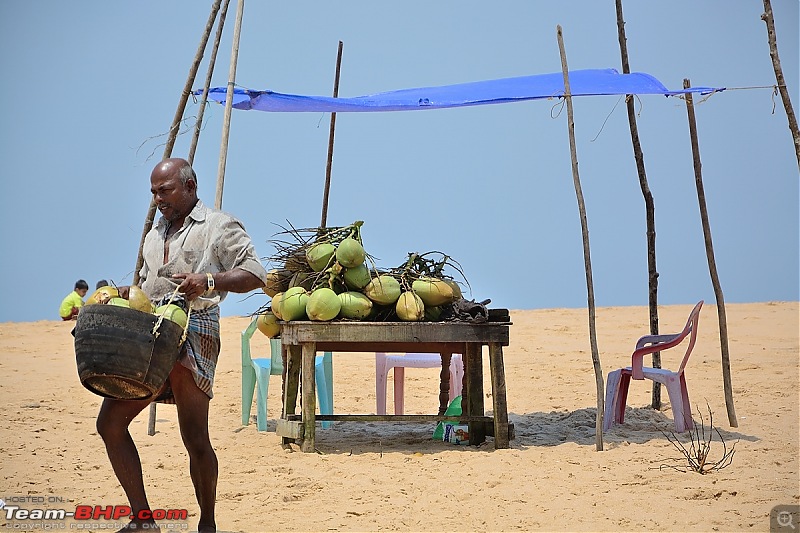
(649, 205)
(173, 130)
(173, 134)
(712, 264)
(776, 66)
(324, 221)
(212, 61)
(598, 370)
(226, 123)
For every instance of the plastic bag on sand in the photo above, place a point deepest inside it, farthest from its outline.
(451, 431)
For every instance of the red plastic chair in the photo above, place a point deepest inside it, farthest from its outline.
(675, 382)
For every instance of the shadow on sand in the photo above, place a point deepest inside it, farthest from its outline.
(642, 424)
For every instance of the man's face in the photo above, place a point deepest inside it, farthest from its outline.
(173, 198)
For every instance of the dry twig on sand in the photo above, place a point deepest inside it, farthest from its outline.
(696, 451)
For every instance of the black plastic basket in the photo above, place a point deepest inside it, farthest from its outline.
(118, 355)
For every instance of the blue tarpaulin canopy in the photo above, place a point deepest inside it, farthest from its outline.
(593, 82)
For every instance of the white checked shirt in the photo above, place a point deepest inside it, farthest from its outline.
(209, 241)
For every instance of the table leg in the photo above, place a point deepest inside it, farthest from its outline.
(444, 382)
(500, 406)
(292, 381)
(472, 404)
(308, 391)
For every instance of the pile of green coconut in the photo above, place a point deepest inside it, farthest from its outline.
(325, 274)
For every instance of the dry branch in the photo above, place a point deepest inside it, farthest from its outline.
(696, 452)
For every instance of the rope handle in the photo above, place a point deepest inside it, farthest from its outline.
(161, 318)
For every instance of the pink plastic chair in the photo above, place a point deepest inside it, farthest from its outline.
(385, 362)
(675, 382)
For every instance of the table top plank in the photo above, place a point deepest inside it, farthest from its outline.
(298, 332)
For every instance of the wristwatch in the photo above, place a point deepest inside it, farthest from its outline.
(210, 280)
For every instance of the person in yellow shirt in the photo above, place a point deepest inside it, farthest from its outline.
(73, 301)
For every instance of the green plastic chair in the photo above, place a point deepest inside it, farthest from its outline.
(257, 372)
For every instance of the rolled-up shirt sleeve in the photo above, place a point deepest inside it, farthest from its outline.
(234, 249)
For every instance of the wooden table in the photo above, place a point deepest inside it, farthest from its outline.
(301, 341)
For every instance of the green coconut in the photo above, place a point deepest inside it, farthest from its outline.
(302, 279)
(277, 281)
(138, 300)
(323, 304)
(172, 312)
(432, 314)
(293, 304)
(357, 277)
(267, 323)
(355, 305)
(102, 295)
(119, 302)
(456, 289)
(383, 290)
(350, 253)
(433, 291)
(319, 255)
(409, 307)
(276, 305)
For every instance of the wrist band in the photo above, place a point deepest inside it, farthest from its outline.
(210, 279)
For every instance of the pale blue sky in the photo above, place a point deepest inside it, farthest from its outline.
(91, 85)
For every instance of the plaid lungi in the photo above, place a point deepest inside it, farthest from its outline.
(200, 351)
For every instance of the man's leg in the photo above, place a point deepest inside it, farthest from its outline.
(192, 404)
(112, 425)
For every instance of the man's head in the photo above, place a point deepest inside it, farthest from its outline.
(81, 287)
(101, 283)
(173, 184)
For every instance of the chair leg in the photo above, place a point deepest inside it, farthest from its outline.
(687, 407)
(248, 388)
(399, 385)
(612, 392)
(324, 394)
(680, 404)
(381, 375)
(262, 376)
(622, 400)
(456, 376)
(327, 365)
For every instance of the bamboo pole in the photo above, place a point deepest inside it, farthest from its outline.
(173, 133)
(712, 264)
(649, 206)
(598, 371)
(776, 65)
(226, 123)
(173, 130)
(328, 165)
(212, 61)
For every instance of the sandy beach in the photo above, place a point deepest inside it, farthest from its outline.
(373, 477)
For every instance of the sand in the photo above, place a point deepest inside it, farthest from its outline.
(370, 477)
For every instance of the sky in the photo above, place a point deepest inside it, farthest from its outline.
(92, 87)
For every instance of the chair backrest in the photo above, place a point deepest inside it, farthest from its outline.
(665, 342)
(246, 335)
(275, 359)
(691, 326)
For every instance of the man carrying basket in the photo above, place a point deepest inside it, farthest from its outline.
(204, 254)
